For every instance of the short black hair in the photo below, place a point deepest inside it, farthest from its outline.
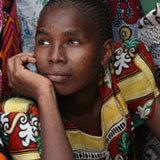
(95, 9)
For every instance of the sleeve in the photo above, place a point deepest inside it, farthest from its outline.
(20, 128)
(135, 74)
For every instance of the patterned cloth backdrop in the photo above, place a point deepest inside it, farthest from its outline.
(149, 33)
(125, 18)
(28, 13)
(9, 40)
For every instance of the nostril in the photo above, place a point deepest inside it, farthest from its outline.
(50, 61)
(57, 55)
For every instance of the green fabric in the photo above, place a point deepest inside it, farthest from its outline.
(148, 5)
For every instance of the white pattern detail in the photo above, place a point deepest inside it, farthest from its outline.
(115, 130)
(122, 59)
(1, 143)
(92, 155)
(144, 110)
(119, 157)
(29, 126)
(27, 130)
(5, 122)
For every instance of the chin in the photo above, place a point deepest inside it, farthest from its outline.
(63, 92)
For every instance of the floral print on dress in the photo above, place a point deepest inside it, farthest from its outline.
(27, 126)
(124, 55)
(20, 130)
(145, 110)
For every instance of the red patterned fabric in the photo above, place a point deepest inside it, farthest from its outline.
(9, 40)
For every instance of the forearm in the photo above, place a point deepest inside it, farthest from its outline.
(55, 144)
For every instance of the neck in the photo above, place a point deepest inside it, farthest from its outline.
(84, 110)
(81, 104)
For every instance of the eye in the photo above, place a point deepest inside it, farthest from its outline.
(44, 42)
(73, 42)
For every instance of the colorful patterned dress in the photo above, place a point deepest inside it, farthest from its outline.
(127, 87)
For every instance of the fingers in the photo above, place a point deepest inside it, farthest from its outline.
(16, 64)
(20, 60)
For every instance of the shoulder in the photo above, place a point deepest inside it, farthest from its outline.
(134, 69)
(20, 127)
(135, 75)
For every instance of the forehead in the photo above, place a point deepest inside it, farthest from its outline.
(66, 17)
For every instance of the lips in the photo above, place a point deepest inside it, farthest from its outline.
(58, 77)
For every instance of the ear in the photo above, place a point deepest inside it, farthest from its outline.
(108, 48)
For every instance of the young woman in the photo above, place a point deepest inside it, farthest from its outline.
(78, 91)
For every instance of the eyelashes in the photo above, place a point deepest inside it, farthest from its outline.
(72, 42)
(69, 42)
(44, 42)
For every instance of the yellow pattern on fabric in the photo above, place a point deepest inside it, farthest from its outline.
(26, 156)
(82, 141)
(140, 84)
(147, 72)
(17, 104)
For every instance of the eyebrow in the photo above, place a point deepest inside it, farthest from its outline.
(72, 33)
(41, 32)
(69, 32)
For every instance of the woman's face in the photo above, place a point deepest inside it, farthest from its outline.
(68, 50)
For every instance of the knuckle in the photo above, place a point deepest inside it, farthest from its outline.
(16, 75)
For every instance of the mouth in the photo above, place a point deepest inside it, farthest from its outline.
(58, 77)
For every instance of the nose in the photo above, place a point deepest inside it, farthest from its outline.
(56, 55)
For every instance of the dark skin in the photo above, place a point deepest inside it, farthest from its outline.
(91, 121)
(78, 53)
(69, 55)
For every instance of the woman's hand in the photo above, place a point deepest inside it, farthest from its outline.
(35, 86)
(24, 81)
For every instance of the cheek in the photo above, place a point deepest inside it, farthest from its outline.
(40, 55)
(40, 67)
(88, 68)
(41, 63)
